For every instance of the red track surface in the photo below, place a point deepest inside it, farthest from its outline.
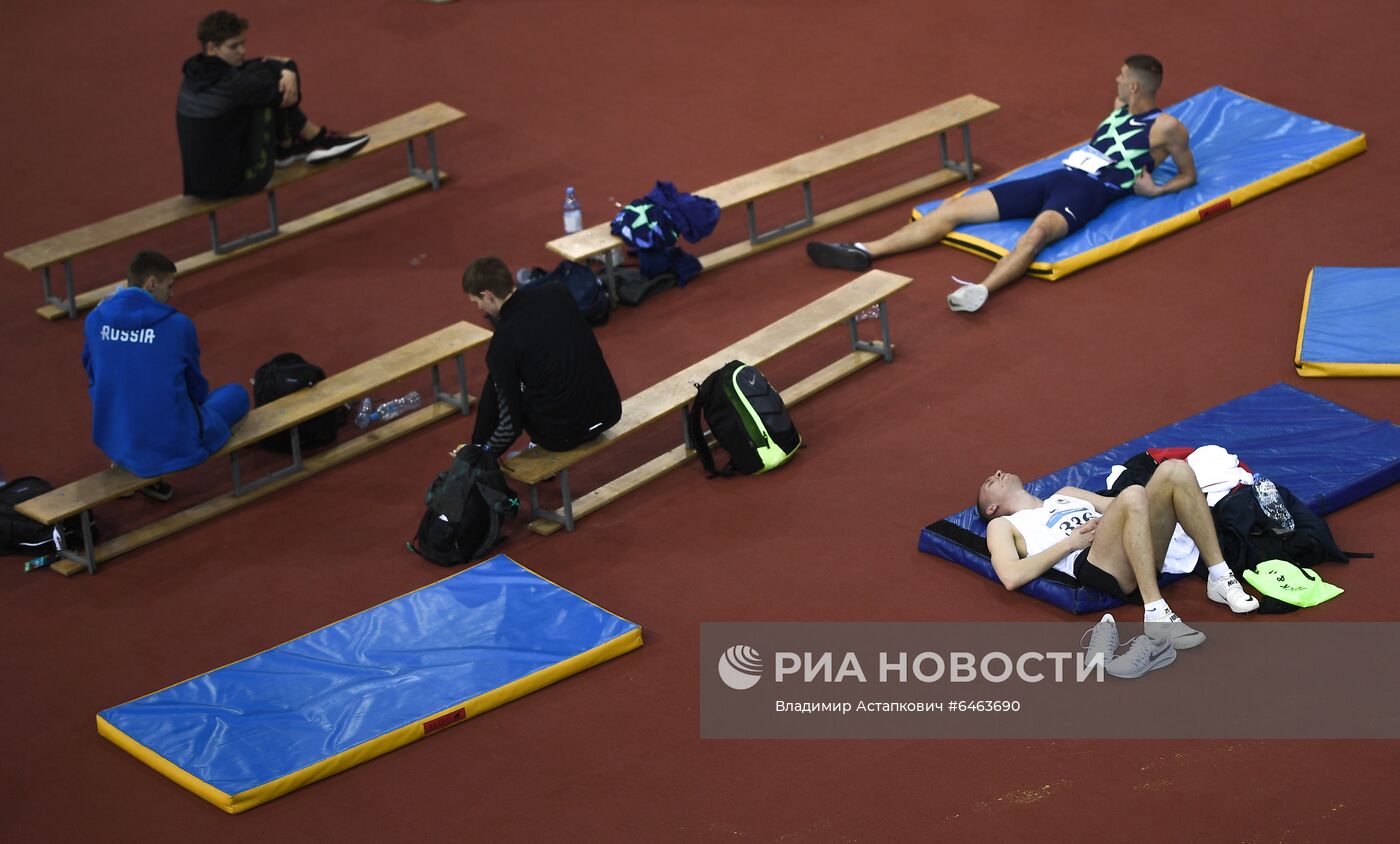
(607, 97)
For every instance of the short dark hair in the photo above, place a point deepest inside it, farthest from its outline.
(978, 505)
(147, 264)
(218, 27)
(1149, 70)
(487, 274)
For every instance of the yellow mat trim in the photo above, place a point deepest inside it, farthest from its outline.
(409, 733)
(1333, 368)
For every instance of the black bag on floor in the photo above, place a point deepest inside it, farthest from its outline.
(21, 534)
(286, 374)
(748, 419)
(468, 505)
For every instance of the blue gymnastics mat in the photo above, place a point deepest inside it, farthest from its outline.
(1243, 147)
(1327, 455)
(252, 731)
(1350, 323)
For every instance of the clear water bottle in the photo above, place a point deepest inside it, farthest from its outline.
(573, 213)
(1273, 506)
(366, 414)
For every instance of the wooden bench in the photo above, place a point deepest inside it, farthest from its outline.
(801, 170)
(63, 248)
(670, 396)
(80, 497)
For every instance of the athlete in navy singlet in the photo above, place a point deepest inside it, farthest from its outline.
(1118, 160)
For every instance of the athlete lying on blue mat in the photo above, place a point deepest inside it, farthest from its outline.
(1115, 545)
(1128, 145)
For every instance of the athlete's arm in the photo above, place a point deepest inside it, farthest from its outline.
(1171, 138)
(1016, 571)
(1100, 502)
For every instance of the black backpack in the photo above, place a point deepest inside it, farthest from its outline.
(21, 534)
(586, 288)
(282, 376)
(467, 507)
(748, 419)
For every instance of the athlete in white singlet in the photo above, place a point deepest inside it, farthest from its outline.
(1039, 528)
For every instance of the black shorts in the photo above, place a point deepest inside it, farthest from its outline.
(1096, 578)
(1076, 196)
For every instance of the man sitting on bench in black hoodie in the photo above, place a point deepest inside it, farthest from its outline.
(238, 118)
(547, 373)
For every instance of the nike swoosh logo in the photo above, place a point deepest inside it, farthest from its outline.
(1136, 122)
(1071, 213)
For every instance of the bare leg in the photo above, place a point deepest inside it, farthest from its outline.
(1174, 495)
(979, 207)
(1124, 545)
(1047, 228)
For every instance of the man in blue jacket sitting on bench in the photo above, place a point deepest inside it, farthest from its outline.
(152, 411)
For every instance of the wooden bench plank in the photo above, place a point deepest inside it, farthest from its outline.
(680, 455)
(301, 225)
(348, 385)
(312, 464)
(806, 167)
(670, 394)
(59, 248)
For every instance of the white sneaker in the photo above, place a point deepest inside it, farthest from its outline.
(1100, 642)
(1227, 590)
(1172, 629)
(967, 298)
(1144, 653)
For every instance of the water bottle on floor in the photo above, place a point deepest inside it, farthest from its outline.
(573, 213)
(1273, 506)
(366, 414)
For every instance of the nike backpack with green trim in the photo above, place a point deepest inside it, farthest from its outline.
(748, 419)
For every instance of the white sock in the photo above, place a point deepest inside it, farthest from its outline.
(1156, 610)
(862, 247)
(1219, 570)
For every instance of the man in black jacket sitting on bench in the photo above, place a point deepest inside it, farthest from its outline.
(547, 374)
(238, 118)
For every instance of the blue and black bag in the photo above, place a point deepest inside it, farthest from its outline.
(748, 419)
(586, 288)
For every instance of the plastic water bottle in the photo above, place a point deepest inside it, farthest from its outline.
(573, 213)
(1273, 506)
(392, 409)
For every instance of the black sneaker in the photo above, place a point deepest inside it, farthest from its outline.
(160, 491)
(838, 256)
(329, 145)
(291, 154)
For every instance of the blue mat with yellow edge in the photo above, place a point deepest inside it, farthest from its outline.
(1243, 148)
(1351, 323)
(252, 731)
(1326, 454)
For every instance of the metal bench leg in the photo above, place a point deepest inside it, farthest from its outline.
(565, 515)
(463, 403)
(965, 166)
(884, 348)
(610, 278)
(808, 218)
(69, 303)
(89, 555)
(240, 488)
(431, 174)
(247, 240)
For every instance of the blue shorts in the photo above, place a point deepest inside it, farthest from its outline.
(1076, 196)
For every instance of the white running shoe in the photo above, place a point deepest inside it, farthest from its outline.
(1144, 654)
(1100, 641)
(1172, 629)
(967, 298)
(1227, 590)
